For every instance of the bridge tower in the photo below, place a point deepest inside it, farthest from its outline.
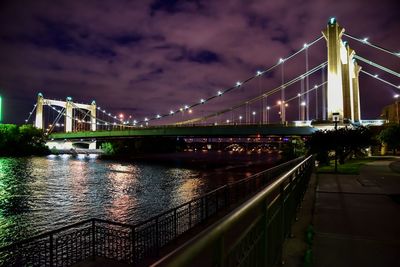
(93, 109)
(39, 112)
(69, 106)
(68, 114)
(355, 71)
(343, 89)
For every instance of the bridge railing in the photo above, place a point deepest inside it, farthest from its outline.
(253, 234)
(133, 243)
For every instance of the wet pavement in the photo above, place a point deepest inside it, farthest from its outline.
(357, 217)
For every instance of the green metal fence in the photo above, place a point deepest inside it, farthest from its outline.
(254, 233)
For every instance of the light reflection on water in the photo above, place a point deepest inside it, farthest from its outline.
(38, 194)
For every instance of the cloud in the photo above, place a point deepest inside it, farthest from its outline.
(147, 57)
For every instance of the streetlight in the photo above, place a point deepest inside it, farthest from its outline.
(298, 95)
(240, 119)
(303, 105)
(254, 116)
(282, 105)
(268, 108)
(336, 118)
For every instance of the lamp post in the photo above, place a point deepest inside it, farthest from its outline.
(336, 118)
(299, 98)
(303, 106)
(268, 108)
(240, 119)
(254, 117)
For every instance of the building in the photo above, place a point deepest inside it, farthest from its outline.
(390, 113)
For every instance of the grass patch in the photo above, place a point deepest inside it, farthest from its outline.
(349, 167)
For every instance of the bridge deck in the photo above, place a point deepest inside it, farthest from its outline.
(192, 131)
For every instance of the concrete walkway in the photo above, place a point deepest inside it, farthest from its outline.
(357, 217)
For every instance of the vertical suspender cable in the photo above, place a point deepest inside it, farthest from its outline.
(283, 117)
(323, 95)
(307, 87)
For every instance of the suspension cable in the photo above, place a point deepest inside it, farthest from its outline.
(238, 85)
(55, 121)
(365, 41)
(30, 113)
(380, 79)
(266, 93)
(376, 65)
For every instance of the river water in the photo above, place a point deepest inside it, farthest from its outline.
(39, 194)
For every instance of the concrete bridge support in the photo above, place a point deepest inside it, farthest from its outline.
(343, 88)
(39, 112)
(68, 145)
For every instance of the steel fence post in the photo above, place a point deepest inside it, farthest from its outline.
(93, 239)
(51, 251)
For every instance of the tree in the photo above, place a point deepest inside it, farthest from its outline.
(108, 148)
(391, 136)
(347, 142)
(21, 141)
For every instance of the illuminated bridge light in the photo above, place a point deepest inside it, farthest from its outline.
(202, 101)
(171, 112)
(259, 73)
(238, 84)
(219, 93)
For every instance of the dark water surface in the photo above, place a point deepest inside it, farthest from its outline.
(39, 194)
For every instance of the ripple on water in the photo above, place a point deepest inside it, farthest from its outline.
(38, 194)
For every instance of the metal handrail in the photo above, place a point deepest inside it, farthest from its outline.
(186, 254)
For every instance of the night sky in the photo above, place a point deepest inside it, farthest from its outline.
(147, 57)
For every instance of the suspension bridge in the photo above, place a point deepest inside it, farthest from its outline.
(335, 93)
(247, 221)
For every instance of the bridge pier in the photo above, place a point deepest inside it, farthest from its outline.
(68, 145)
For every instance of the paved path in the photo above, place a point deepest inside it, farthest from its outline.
(357, 218)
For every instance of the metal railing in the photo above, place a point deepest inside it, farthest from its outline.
(253, 234)
(133, 243)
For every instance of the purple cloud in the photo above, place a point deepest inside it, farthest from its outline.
(144, 58)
